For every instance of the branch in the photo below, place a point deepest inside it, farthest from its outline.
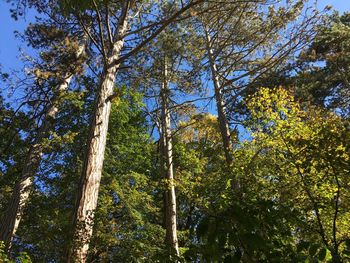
(100, 29)
(308, 193)
(109, 31)
(336, 211)
(157, 32)
(89, 34)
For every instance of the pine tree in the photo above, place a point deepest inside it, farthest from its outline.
(23, 187)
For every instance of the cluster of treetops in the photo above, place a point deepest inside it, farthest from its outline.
(176, 131)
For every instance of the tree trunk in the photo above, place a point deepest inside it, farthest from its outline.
(167, 167)
(22, 189)
(220, 105)
(93, 163)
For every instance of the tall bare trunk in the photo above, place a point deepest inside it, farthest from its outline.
(220, 104)
(93, 163)
(167, 166)
(22, 189)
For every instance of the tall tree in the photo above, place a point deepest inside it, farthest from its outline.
(92, 168)
(243, 41)
(220, 103)
(110, 43)
(127, 203)
(169, 74)
(74, 51)
(167, 166)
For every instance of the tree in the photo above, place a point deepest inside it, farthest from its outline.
(306, 151)
(13, 147)
(112, 57)
(128, 218)
(293, 187)
(166, 155)
(200, 165)
(244, 41)
(60, 79)
(322, 75)
(142, 168)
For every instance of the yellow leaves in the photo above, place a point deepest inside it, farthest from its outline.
(277, 117)
(341, 151)
(308, 145)
(43, 75)
(198, 178)
(274, 107)
(200, 127)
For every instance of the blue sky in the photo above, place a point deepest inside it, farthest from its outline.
(340, 5)
(9, 45)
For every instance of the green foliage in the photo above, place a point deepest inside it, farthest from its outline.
(323, 76)
(305, 159)
(14, 126)
(22, 258)
(291, 202)
(126, 228)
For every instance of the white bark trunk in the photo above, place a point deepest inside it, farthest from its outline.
(220, 105)
(93, 163)
(167, 166)
(21, 193)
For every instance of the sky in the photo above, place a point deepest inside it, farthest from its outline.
(340, 5)
(9, 45)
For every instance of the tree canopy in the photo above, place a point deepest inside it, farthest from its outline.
(176, 131)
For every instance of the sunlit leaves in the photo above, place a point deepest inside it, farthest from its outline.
(310, 148)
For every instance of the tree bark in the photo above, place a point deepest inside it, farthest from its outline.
(91, 175)
(167, 167)
(220, 104)
(23, 188)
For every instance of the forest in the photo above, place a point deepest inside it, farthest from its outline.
(176, 131)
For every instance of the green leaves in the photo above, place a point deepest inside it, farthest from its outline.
(292, 203)
(22, 258)
(305, 158)
(322, 254)
(127, 216)
(313, 249)
(325, 82)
